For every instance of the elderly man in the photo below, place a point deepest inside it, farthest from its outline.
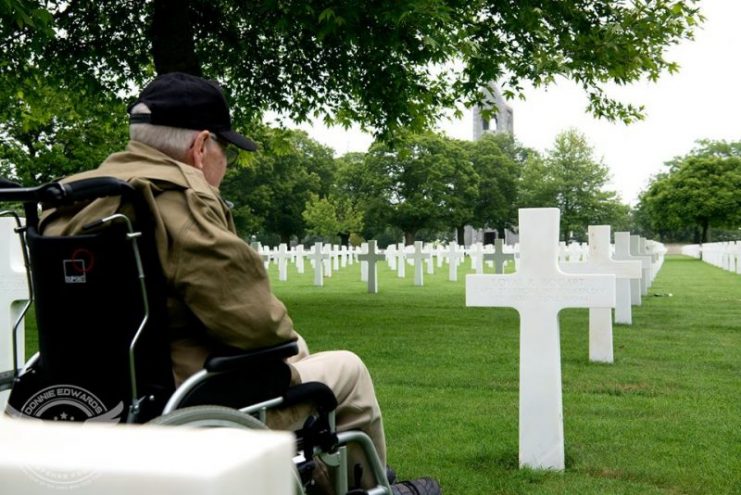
(218, 290)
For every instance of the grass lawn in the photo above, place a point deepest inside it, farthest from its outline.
(665, 418)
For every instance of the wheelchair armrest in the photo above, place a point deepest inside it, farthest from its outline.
(238, 359)
(316, 393)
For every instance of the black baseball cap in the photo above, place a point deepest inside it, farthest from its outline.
(182, 100)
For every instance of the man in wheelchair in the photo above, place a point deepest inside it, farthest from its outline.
(214, 287)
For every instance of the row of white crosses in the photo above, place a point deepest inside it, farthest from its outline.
(539, 290)
(331, 257)
(725, 255)
(397, 257)
(573, 252)
(496, 255)
(599, 260)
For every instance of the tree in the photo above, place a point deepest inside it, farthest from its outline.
(425, 181)
(700, 191)
(708, 148)
(386, 65)
(332, 216)
(569, 178)
(270, 191)
(48, 132)
(493, 158)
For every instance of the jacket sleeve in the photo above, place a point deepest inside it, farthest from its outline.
(218, 276)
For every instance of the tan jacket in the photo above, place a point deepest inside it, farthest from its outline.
(218, 289)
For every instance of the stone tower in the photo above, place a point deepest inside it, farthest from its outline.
(501, 121)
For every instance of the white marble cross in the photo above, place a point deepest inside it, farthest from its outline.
(440, 254)
(418, 257)
(300, 258)
(538, 291)
(600, 261)
(430, 261)
(628, 291)
(499, 257)
(454, 257)
(400, 260)
(335, 253)
(370, 260)
(635, 251)
(644, 251)
(476, 252)
(318, 257)
(391, 256)
(327, 259)
(343, 256)
(13, 298)
(281, 256)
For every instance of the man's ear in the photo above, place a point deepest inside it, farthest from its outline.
(198, 149)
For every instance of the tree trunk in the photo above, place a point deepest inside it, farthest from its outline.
(408, 238)
(705, 231)
(460, 233)
(344, 239)
(173, 46)
(285, 238)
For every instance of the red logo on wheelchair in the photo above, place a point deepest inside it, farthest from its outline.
(77, 266)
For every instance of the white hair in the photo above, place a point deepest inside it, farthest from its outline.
(172, 141)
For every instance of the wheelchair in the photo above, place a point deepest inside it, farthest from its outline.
(104, 356)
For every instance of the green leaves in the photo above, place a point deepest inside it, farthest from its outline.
(700, 190)
(271, 192)
(569, 178)
(47, 132)
(388, 66)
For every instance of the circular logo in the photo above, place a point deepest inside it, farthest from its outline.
(85, 258)
(66, 403)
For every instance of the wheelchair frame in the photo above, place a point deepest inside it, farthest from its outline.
(332, 449)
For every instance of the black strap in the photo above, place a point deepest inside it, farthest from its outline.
(140, 118)
(412, 487)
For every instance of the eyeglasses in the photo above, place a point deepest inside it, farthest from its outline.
(231, 152)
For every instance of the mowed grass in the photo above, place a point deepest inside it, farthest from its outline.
(665, 418)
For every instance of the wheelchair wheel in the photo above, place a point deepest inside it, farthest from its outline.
(209, 417)
(218, 417)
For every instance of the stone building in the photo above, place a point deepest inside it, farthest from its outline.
(502, 120)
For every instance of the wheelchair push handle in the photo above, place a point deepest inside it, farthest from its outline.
(61, 192)
(97, 187)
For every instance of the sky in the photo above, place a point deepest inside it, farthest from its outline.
(701, 101)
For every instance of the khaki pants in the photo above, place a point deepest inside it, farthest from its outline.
(346, 375)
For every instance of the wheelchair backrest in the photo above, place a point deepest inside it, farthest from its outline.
(91, 304)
